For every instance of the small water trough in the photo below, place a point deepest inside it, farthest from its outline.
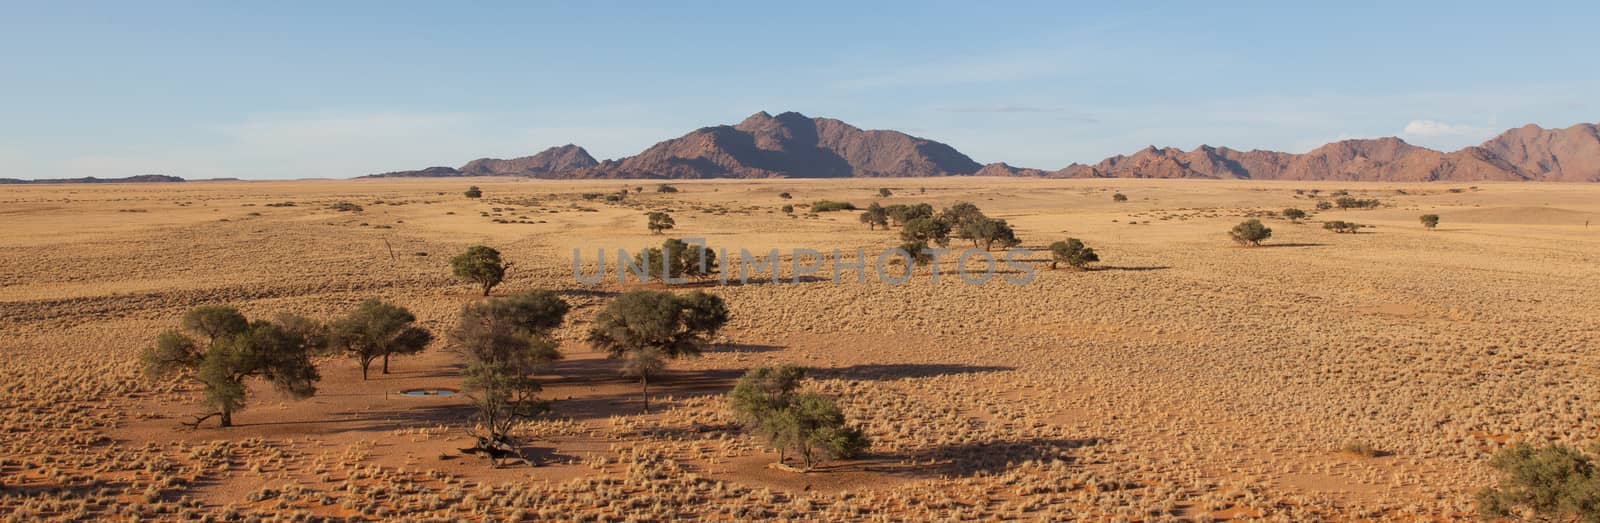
(428, 392)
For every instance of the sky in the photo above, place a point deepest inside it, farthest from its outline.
(337, 89)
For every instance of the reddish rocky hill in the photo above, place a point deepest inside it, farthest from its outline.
(553, 160)
(1527, 153)
(794, 145)
(787, 145)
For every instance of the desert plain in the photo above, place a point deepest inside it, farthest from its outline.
(1320, 376)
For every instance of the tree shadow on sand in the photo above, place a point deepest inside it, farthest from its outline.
(895, 371)
(1130, 268)
(1287, 245)
(396, 415)
(967, 459)
(746, 348)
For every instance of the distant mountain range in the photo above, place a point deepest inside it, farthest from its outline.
(794, 145)
(547, 163)
(143, 178)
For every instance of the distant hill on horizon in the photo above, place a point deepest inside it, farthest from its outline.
(555, 159)
(792, 145)
(142, 178)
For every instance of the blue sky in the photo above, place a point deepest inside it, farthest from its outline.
(337, 89)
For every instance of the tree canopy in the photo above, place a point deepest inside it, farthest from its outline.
(480, 264)
(766, 401)
(505, 341)
(377, 330)
(874, 216)
(234, 350)
(1250, 232)
(678, 259)
(927, 230)
(659, 221)
(1073, 253)
(643, 328)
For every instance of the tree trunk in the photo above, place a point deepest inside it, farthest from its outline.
(227, 419)
(485, 289)
(644, 383)
(365, 363)
(385, 363)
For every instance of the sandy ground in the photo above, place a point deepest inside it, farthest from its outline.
(1186, 378)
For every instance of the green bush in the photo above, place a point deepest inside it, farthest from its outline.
(1430, 220)
(829, 206)
(766, 401)
(1556, 482)
(1072, 252)
(1342, 227)
(474, 192)
(1250, 232)
(659, 221)
(1348, 202)
(1294, 215)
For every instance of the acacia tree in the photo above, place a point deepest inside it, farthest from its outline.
(659, 221)
(646, 328)
(505, 342)
(765, 401)
(986, 232)
(1072, 252)
(232, 349)
(676, 258)
(926, 230)
(474, 192)
(1250, 232)
(1430, 220)
(885, 192)
(480, 264)
(1294, 215)
(918, 251)
(377, 330)
(1342, 227)
(901, 213)
(874, 216)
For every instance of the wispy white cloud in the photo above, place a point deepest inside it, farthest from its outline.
(1433, 129)
(344, 145)
(959, 71)
(994, 108)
